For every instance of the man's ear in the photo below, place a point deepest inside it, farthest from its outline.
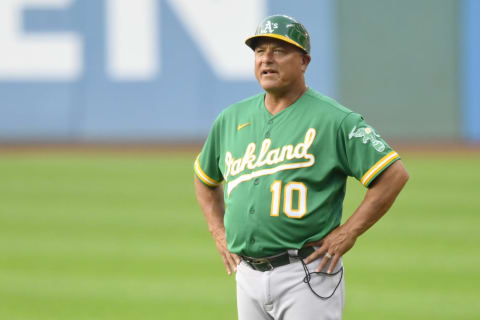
(306, 58)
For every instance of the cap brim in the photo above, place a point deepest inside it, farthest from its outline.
(249, 41)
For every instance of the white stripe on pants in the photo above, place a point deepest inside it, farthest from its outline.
(281, 294)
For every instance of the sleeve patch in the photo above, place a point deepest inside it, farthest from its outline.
(367, 134)
(377, 167)
(203, 176)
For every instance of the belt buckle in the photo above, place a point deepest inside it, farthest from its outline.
(255, 262)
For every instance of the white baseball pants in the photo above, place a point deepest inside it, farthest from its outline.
(282, 294)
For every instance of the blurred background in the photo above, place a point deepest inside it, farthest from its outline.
(161, 71)
(104, 105)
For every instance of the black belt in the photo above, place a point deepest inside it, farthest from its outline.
(269, 263)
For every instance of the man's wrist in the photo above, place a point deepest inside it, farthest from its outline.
(218, 232)
(352, 230)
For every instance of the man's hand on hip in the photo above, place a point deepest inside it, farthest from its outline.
(378, 199)
(332, 247)
(230, 260)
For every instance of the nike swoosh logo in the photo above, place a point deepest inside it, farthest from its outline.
(241, 126)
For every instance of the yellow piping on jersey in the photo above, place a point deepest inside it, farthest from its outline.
(241, 126)
(377, 167)
(203, 176)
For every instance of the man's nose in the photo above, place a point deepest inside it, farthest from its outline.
(267, 56)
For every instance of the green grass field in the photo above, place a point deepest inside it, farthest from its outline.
(120, 236)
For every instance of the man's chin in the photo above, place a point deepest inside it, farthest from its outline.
(270, 86)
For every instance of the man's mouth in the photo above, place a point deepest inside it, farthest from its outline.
(268, 71)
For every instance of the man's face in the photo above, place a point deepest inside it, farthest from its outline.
(279, 66)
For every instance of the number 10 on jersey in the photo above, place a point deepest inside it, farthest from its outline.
(291, 211)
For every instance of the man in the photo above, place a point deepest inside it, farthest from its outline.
(283, 157)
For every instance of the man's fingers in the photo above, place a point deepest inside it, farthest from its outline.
(231, 262)
(312, 257)
(237, 259)
(323, 263)
(334, 262)
(317, 253)
(226, 263)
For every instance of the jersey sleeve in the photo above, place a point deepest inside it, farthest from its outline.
(206, 165)
(365, 154)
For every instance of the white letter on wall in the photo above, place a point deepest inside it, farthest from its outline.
(219, 28)
(132, 41)
(52, 56)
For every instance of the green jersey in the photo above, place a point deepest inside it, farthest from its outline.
(284, 175)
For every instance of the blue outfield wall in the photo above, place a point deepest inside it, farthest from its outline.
(141, 70)
(471, 69)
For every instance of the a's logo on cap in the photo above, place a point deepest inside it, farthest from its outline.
(269, 27)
